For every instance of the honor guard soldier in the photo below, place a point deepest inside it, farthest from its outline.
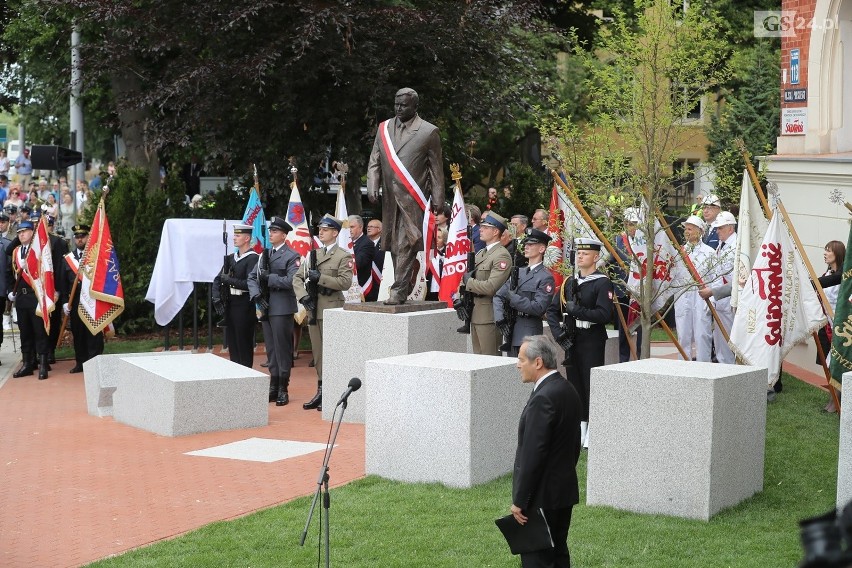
(329, 276)
(231, 297)
(86, 345)
(58, 250)
(271, 283)
(492, 267)
(582, 308)
(528, 297)
(32, 333)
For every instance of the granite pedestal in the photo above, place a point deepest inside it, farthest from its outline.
(351, 338)
(844, 459)
(100, 376)
(675, 437)
(443, 417)
(176, 396)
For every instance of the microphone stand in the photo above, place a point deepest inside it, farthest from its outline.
(322, 487)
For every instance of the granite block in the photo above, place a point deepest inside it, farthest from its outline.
(675, 437)
(450, 418)
(176, 396)
(351, 338)
(844, 459)
(100, 377)
(611, 355)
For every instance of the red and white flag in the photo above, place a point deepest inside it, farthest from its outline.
(458, 246)
(664, 268)
(751, 228)
(778, 306)
(354, 295)
(429, 233)
(101, 291)
(564, 223)
(38, 272)
(299, 239)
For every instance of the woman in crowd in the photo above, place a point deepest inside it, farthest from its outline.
(14, 197)
(67, 220)
(834, 254)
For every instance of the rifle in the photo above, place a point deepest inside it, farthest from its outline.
(221, 306)
(312, 288)
(463, 304)
(568, 329)
(510, 314)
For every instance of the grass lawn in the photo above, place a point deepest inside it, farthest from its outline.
(379, 523)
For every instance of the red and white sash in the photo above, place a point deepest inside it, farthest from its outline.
(401, 172)
(72, 262)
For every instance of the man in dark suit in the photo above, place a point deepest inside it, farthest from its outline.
(277, 277)
(406, 162)
(191, 175)
(545, 472)
(364, 251)
(58, 250)
(374, 233)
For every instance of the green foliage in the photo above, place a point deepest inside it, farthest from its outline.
(376, 522)
(136, 220)
(529, 190)
(751, 112)
(642, 80)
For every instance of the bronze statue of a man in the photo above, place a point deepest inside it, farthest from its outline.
(406, 162)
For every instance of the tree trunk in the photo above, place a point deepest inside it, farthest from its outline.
(126, 86)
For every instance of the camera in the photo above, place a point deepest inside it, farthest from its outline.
(827, 540)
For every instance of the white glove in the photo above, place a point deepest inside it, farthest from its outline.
(66, 309)
(11, 296)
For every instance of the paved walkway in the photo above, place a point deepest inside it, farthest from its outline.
(77, 488)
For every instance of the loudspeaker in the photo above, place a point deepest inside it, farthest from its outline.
(54, 157)
(531, 148)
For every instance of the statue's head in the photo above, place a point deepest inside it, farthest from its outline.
(405, 104)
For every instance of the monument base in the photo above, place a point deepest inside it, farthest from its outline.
(406, 308)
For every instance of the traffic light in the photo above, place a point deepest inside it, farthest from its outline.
(54, 157)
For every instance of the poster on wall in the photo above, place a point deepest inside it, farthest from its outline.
(794, 121)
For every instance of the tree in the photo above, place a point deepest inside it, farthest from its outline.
(752, 112)
(262, 80)
(643, 79)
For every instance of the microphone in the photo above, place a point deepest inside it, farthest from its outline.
(354, 384)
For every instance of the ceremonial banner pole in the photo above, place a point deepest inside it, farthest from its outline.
(826, 304)
(609, 247)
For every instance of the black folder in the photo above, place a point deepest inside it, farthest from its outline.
(531, 537)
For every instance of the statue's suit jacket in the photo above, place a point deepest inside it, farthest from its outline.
(419, 149)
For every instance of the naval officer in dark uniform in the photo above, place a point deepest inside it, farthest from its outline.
(531, 297)
(590, 310)
(231, 297)
(278, 279)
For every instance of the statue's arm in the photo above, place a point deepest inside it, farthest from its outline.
(436, 167)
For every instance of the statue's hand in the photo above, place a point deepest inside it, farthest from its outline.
(373, 195)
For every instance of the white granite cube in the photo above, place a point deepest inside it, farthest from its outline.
(176, 396)
(100, 377)
(675, 437)
(351, 338)
(443, 417)
(844, 459)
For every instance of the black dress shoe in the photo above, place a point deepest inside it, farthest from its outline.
(78, 368)
(464, 329)
(52, 359)
(283, 399)
(314, 402)
(24, 370)
(43, 367)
